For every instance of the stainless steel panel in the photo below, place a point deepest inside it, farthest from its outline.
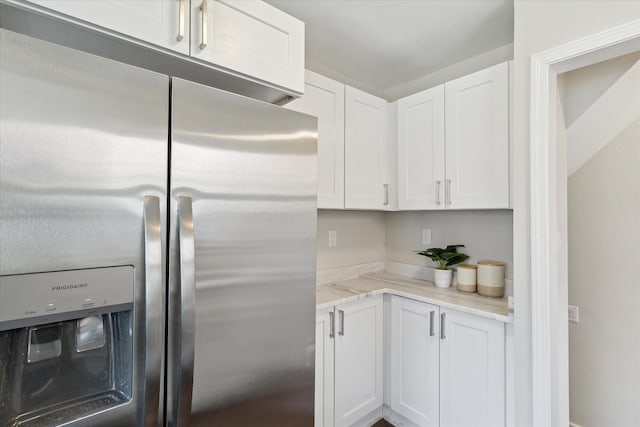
(37, 298)
(82, 141)
(250, 169)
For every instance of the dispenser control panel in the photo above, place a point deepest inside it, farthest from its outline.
(39, 298)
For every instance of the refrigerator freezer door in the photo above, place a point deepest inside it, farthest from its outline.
(83, 163)
(250, 171)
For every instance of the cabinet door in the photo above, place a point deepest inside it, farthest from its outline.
(251, 38)
(415, 378)
(154, 21)
(421, 150)
(324, 99)
(472, 371)
(366, 181)
(358, 360)
(325, 328)
(477, 141)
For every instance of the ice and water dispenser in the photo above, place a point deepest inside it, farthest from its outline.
(66, 344)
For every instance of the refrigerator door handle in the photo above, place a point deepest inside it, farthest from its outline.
(184, 313)
(153, 308)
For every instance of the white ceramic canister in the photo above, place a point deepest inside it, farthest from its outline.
(491, 278)
(466, 278)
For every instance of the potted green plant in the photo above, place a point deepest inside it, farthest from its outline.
(445, 258)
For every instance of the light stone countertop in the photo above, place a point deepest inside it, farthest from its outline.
(385, 283)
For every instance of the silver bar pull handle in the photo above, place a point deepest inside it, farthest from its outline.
(386, 194)
(332, 324)
(448, 192)
(443, 317)
(203, 27)
(153, 308)
(183, 318)
(341, 316)
(438, 192)
(432, 315)
(180, 20)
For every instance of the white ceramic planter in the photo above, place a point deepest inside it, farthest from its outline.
(442, 278)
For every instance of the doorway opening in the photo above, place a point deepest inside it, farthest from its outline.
(598, 126)
(549, 228)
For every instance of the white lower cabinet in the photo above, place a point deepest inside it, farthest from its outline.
(447, 367)
(358, 360)
(324, 368)
(349, 353)
(415, 359)
(472, 371)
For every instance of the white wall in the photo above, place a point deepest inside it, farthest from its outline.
(541, 25)
(462, 68)
(580, 88)
(459, 69)
(604, 281)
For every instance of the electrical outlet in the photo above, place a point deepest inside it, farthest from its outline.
(333, 238)
(426, 236)
(574, 314)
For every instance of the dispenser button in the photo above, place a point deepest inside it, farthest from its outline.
(88, 302)
(51, 307)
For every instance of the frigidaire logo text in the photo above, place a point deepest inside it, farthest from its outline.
(69, 286)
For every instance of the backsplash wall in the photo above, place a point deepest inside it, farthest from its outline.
(360, 238)
(368, 236)
(485, 234)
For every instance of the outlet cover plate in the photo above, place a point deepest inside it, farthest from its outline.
(426, 236)
(333, 238)
(574, 314)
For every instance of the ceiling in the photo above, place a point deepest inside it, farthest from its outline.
(382, 44)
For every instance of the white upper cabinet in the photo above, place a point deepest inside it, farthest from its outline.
(477, 139)
(453, 144)
(421, 150)
(246, 38)
(249, 37)
(324, 99)
(366, 151)
(159, 22)
(472, 371)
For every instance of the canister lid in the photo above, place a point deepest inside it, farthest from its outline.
(467, 266)
(492, 263)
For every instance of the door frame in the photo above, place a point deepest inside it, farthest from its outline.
(548, 181)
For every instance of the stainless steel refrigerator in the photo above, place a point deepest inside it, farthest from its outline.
(157, 248)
